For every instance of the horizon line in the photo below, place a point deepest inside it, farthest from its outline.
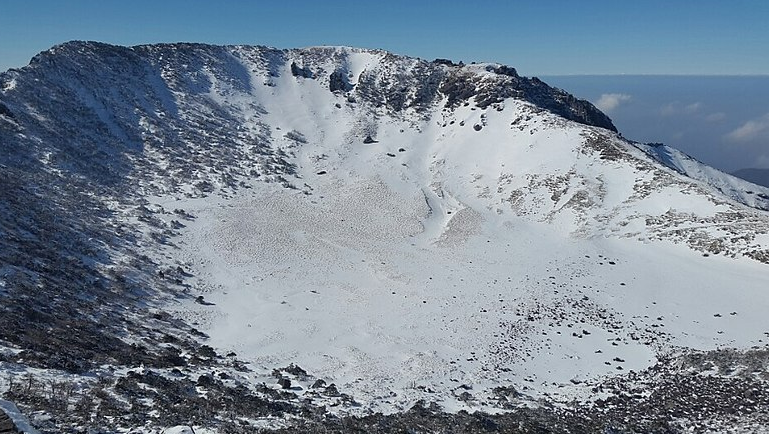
(669, 74)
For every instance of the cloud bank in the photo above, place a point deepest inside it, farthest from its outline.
(750, 130)
(676, 108)
(610, 101)
(715, 117)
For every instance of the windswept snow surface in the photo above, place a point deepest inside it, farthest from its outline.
(736, 188)
(444, 258)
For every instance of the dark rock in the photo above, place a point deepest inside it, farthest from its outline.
(205, 380)
(337, 82)
(505, 70)
(206, 351)
(6, 424)
(303, 72)
(5, 111)
(295, 370)
(284, 383)
(331, 390)
(458, 88)
(447, 62)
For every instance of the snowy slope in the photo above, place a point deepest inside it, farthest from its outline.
(738, 189)
(406, 230)
(442, 256)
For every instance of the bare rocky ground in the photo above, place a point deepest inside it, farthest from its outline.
(715, 391)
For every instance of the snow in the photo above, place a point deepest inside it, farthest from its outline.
(351, 291)
(359, 62)
(412, 268)
(9, 85)
(731, 186)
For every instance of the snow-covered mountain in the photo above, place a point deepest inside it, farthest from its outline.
(180, 221)
(753, 194)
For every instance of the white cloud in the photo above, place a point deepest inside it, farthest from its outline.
(693, 108)
(669, 109)
(676, 108)
(610, 101)
(750, 130)
(762, 162)
(715, 117)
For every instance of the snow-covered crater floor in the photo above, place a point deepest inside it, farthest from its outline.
(392, 301)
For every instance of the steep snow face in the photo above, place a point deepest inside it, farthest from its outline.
(405, 229)
(738, 189)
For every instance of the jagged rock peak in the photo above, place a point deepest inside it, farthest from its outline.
(374, 76)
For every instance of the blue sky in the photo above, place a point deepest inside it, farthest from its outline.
(538, 37)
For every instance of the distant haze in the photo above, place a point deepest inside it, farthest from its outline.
(722, 121)
(756, 176)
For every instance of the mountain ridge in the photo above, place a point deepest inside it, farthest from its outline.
(570, 107)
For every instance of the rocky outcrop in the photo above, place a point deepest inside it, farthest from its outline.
(337, 82)
(5, 111)
(6, 424)
(12, 421)
(397, 82)
(303, 72)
